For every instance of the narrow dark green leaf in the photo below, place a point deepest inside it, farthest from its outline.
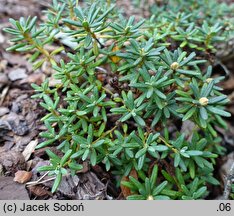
(203, 113)
(140, 152)
(153, 176)
(57, 182)
(66, 157)
(218, 111)
(177, 160)
(159, 188)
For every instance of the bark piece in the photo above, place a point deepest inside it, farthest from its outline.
(90, 187)
(12, 161)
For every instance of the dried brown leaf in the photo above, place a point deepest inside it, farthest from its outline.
(22, 176)
(125, 190)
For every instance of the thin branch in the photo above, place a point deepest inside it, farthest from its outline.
(38, 181)
(44, 181)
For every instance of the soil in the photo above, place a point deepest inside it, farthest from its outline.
(20, 125)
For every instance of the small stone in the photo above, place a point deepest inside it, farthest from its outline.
(17, 74)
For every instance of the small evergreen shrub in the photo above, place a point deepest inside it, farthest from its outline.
(126, 87)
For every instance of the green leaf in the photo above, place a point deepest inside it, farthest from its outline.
(125, 117)
(203, 113)
(161, 197)
(217, 99)
(160, 94)
(201, 191)
(184, 108)
(139, 120)
(98, 143)
(66, 157)
(75, 166)
(93, 157)
(177, 159)
(85, 155)
(16, 46)
(79, 140)
(119, 110)
(141, 152)
(147, 187)
(203, 122)
(168, 177)
(159, 188)
(45, 143)
(212, 180)
(53, 156)
(46, 168)
(108, 165)
(141, 161)
(182, 93)
(168, 57)
(77, 154)
(135, 182)
(156, 118)
(188, 72)
(189, 113)
(57, 182)
(206, 89)
(192, 169)
(136, 197)
(160, 148)
(38, 64)
(179, 141)
(218, 111)
(194, 152)
(153, 176)
(188, 59)
(179, 176)
(194, 87)
(81, 113)
(72, 22)
(90, 134)
(170, 193)
(128, 184)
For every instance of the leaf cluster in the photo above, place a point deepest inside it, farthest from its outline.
(120, 89)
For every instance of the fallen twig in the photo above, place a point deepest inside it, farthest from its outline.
(38, 181)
